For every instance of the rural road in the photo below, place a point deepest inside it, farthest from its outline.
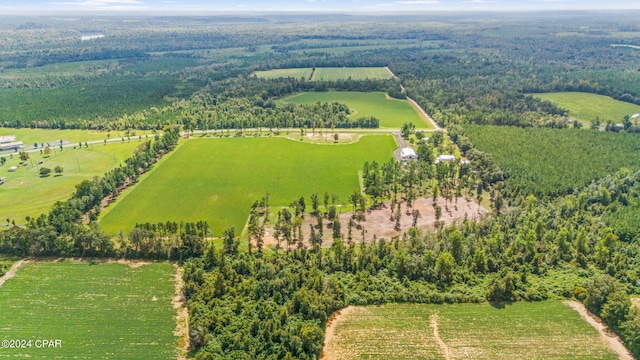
(611, 339)
(12, 272)
(415, 104)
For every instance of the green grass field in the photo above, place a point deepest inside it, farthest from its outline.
(355, 73)
(328, 74)
(586, 107)
(284, 73)
(105, 311)
(217, 180)
(26, 193)
(52, 136)
(543, 330)
(391, 112)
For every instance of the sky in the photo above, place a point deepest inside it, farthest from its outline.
(202, 7)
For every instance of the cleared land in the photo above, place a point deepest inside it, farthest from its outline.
(285, 73)
(53, 136)
(379, 224)
(543, 330)
(217, 180)
(391, 112)
(63, 300)
(586, 107)
(353, 73)
(26, 193)
(328, 74)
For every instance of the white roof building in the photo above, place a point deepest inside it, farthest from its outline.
(7, 139)
(11, 145)
(635, 116)
(408, 153)
(445, 158)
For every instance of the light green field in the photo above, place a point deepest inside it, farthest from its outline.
(328, 74)
(353, 73)
(284, 73)
(26, 193)
(543, 330)
(62, 69)
(104, 311)
(217, 180)
(53, 136)
(586, 107)
(391, 112)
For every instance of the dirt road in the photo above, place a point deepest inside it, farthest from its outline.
(12, 272)
(610, 338)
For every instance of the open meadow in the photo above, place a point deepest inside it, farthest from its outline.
(97, 311)
(53, 136)
(586, 107)
(285, 73)
(392, 113)
(26, 193)
(328, 73)
(523, 330)
(217, 180)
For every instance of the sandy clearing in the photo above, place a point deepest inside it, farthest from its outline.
(610, 338)
(379, 224)
(328, 351)
(182, 316)
(12, 272)
(433, 321)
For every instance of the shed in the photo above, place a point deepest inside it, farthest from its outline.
(13, 169)
(7, 139)
(15, 145)
(445, 158)
(635, 116)
(408, 153)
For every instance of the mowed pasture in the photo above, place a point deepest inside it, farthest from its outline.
(392, 113)
(586, 107)
(53, 136)
(218, 180)
(328, 73)
(285, 73)
(98, 311)
(26, 193)
(541, 330)
(353, 73)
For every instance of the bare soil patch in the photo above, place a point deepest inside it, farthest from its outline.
(179, 303)
(609, 337)
(379, 223)
(12, 272)
(328, 352)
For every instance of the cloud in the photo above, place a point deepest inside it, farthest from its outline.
(417, 2)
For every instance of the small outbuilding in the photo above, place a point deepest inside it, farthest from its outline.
(13, 169)
(445, 158)
(408, 153)
(635, 116)
(15, 145)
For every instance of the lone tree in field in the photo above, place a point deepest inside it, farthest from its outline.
(58, 170)
(45, 171)
(24, 156)
(47, 151)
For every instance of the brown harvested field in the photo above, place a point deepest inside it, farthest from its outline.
(540, 330)
(378, 222)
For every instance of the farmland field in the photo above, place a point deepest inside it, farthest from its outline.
(29, 194)
(99, 311)
(284, 73)
(391, 112)
(355, 73)
(586, 107)
(53, 136)
(217, 180)
(542, 330)
(328, 74)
